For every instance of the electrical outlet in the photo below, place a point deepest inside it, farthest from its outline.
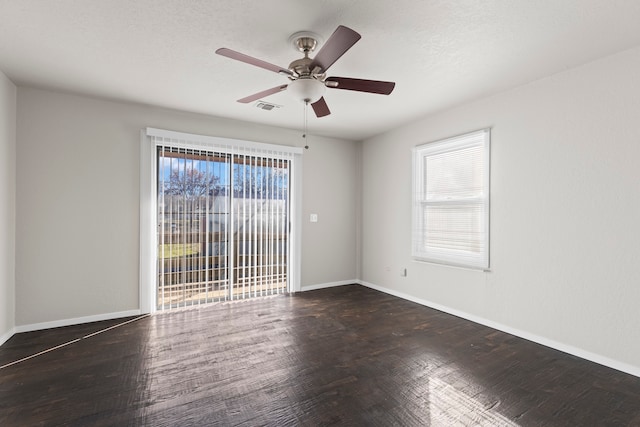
(313, 218)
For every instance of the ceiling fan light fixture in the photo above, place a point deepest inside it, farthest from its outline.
(307, 89)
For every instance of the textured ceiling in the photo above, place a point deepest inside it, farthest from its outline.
(440, 52)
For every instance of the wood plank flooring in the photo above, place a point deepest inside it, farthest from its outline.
(341, 356)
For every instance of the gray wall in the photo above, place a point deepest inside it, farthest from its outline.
(8, 97)
(77, 238)
(565, 205)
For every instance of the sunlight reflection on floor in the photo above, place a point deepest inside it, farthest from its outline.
(451, 407)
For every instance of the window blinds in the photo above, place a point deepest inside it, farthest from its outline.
(451, 201)
(223, 212)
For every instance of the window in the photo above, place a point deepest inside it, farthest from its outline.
(451, 201)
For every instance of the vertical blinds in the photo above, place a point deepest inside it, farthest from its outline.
(451, 201)
(223, 220)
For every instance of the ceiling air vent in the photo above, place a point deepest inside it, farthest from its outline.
(266, 106)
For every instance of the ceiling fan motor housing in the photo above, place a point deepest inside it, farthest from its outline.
(300, 67)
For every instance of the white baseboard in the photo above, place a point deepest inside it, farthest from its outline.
(575, 351)
(328, 285)
(75, 321)
(5, 337)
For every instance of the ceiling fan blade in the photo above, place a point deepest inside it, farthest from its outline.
(252, 61)
(360, 85)
(321, 108)
(340, 41)
(262, 94)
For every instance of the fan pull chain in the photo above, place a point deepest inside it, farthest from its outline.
(304, 135)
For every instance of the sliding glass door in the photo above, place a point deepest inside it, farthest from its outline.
(223, 223)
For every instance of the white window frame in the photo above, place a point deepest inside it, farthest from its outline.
(422, 248)
(148, 196)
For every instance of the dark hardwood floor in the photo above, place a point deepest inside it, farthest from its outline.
(340, 356)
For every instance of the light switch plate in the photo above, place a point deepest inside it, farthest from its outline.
(313, 217)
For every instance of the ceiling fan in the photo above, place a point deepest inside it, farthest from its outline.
(307, 76)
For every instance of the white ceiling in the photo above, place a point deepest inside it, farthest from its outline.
(439, 52)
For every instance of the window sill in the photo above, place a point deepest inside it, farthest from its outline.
(452, 265)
